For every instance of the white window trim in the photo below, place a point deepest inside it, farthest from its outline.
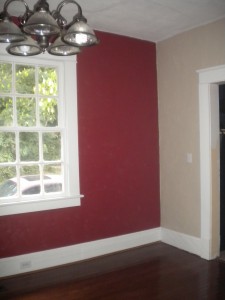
(73, 196)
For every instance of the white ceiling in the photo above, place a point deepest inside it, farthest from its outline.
(152, 20)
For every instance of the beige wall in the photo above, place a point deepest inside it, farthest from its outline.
(178, 59)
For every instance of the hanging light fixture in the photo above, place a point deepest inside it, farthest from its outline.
(41, 30)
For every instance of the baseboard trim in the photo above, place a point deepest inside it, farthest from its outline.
(182, 241)
(51, 258)
(55, 257)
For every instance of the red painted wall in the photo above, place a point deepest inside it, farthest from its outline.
(119, 155)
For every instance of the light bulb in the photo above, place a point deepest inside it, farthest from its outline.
(24, 49)
(81, 38)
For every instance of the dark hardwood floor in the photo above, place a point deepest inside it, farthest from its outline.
(156, 271)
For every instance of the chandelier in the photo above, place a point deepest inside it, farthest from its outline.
(40, 30)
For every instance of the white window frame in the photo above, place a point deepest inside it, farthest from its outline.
(67, 76)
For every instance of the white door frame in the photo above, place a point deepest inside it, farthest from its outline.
(209, 80)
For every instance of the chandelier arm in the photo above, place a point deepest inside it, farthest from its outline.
(61, 21)
(8, 2)
(63, 3)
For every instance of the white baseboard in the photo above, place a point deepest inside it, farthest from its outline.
(182, 241)
(55, 257)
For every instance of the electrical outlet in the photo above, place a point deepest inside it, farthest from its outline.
(25, 265)
(189, 158)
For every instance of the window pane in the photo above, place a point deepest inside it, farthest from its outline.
(36, 189)
(47, 79)
(30, 170)
(30, 182)
(52, 146)
(29, 146)
(7, 147)
(26, 111)
(5, 77)
(54, 183)
(6, 111)
(53, 169)
(48, 112)
(53, 187)
(25, 79)
(8, 186)
(7, 173)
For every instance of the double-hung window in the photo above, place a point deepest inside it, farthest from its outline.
(38, 134)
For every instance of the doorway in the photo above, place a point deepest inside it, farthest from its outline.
(222, 167)
(209, 81)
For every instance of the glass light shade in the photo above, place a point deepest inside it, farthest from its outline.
(9, 32)
(62, 49)
(80, 34)
(26, 48)
(41, 23)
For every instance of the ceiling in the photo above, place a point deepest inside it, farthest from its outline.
(151, 20)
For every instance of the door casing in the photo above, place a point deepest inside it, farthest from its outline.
(209, 80)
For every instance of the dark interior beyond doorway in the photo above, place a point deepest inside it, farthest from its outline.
(222, 166)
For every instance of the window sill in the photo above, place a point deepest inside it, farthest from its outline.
(39, 205)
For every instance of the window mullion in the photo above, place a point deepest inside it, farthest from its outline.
(37, 97)
(18, 161)
(41, 162)
(15, 127)
(14, 94)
